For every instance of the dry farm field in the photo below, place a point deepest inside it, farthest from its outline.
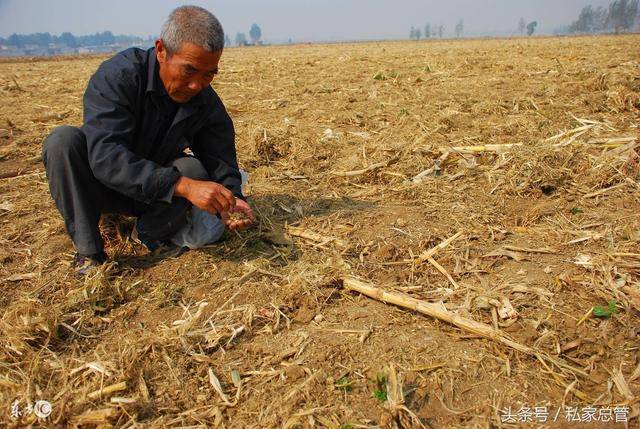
(448, 237)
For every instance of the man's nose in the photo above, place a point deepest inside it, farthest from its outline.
(195, 86)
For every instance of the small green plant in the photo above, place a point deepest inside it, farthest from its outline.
(346, 426)
(403, 112)
(379, 76)
(380, 392)
(605, 312)
(576, 210)
(380, 395)
(344, 383)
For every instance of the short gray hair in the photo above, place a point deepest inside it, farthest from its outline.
(192, 24)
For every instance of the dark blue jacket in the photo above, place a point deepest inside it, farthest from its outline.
(130, 142)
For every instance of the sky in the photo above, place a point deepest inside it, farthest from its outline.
(299, 20)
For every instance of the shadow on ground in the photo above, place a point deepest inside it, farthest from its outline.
(267, 238)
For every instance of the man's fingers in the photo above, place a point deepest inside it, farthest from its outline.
(238, 224)
(212, 197)
(228, 195)
(219, 201)
(241, 207)
(212, 205)
(246, 209)
(223, 202)
(226, 199)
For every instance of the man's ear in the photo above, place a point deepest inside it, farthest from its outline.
(161, 51)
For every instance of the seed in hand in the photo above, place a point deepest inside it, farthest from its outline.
(237, 216)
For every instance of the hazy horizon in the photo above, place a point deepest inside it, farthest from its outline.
(280, 20)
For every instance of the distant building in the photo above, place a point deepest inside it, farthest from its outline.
(59, 48)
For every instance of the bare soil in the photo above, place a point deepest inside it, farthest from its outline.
(361, 158)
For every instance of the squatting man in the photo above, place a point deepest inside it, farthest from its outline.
(156, 143)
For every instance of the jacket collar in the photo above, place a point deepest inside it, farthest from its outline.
(154, 83)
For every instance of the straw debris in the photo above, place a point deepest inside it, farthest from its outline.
(488, 189)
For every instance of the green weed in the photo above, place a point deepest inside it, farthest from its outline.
(380, 392)
(605, 312)
(344, 383)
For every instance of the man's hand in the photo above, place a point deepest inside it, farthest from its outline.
(243, 216)
(209, 196)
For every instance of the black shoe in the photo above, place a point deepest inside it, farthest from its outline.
(84, 265)
(138, 236)
(158, 248)
(168, 249)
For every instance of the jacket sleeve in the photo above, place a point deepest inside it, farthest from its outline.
(214, 146)
(109, 126)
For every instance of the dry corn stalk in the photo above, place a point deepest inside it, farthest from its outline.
(441, 313)
(314, 236)
(107, 390)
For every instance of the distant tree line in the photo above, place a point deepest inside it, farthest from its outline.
(530, 28)
(429, 31)
(68, 39)
(620, 16)
(255, 33)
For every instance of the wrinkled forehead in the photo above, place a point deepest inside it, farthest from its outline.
(197, 57)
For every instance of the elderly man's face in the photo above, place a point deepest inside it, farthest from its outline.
(188, 71)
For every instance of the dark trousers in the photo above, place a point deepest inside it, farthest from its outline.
(81, 198)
